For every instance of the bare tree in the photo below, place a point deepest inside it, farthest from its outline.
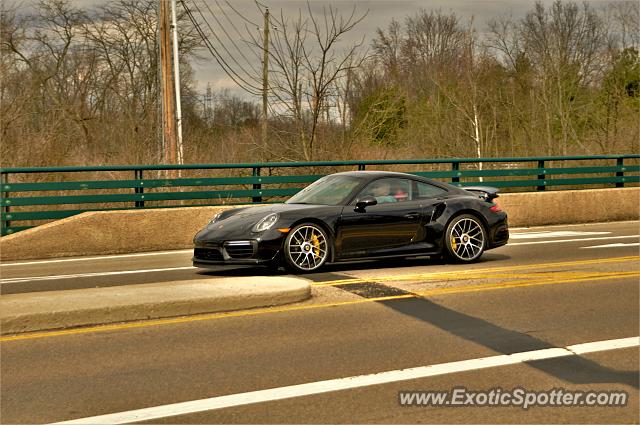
(307, 65)
(434, 41)
(623, 19)
(84, 82)
(387, 47)
(51, 70)
(564, 43)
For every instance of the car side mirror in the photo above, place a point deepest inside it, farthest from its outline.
(362, 204)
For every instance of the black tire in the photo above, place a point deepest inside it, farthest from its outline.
(465, 239)
(306, 248)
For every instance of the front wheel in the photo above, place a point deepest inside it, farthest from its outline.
(465, 239)
(306, 248)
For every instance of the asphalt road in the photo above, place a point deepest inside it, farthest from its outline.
(527, 246)
(549, 288)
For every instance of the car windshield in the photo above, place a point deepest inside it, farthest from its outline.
(329, 190)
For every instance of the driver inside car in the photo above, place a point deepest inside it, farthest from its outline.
(381, 190)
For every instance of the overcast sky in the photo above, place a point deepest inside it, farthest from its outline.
(379, 14)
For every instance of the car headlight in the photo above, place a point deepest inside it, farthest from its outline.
(266, 223)
(215, 218)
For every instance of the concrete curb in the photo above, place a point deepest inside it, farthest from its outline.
(64, 309)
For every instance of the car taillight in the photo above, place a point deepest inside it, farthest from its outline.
(495, 208)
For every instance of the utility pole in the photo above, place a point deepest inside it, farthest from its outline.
(168, 101)
(265, 78)
(176, 80)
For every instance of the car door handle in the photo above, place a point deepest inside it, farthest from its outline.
(412, 215)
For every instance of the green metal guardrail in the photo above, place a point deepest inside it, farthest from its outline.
(141, 192)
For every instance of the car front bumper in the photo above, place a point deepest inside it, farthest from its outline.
(264, 249)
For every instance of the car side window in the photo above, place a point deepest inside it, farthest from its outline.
(388, 190)
(426, 191)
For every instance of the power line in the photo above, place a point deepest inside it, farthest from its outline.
(215, 35)
(242, 16)
(230, 69)
(249, 88)
(227, 34)
(232, 24)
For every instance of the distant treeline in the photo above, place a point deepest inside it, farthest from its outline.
(82, 87)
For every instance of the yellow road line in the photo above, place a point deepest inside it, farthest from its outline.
(469, 274)
(527, 276)
(483, 276)
(540, 282)
(259, 311)
(187, 319)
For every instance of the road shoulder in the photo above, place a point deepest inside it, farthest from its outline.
(63, 309)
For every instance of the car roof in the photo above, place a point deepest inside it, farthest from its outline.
(375, 174)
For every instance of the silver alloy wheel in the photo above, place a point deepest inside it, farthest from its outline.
(307, 247)
(467, 239)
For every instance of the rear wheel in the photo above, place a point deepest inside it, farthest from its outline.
(465, 239)
(306, 248)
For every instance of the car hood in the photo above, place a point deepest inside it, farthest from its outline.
(247, 213)
(241, 220)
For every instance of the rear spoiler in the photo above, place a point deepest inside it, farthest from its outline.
(485, 192)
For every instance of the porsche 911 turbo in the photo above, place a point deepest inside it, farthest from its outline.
(354, 216)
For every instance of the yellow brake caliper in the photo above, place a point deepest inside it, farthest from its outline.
(316, 245)
(454, 245)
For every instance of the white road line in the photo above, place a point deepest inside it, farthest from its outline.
(77, 275)
(312, 388)
(550, 234)
(611, 245)
(574, 240)
(102, 257)
(612, 344)
(551, 226)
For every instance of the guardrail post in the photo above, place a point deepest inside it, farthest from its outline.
(4, 179)
(541, 177)
(257, 186)
(455, 166)
(620, 163)
(139, 189)
(361, 167)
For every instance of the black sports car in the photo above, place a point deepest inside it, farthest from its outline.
(357, 215)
